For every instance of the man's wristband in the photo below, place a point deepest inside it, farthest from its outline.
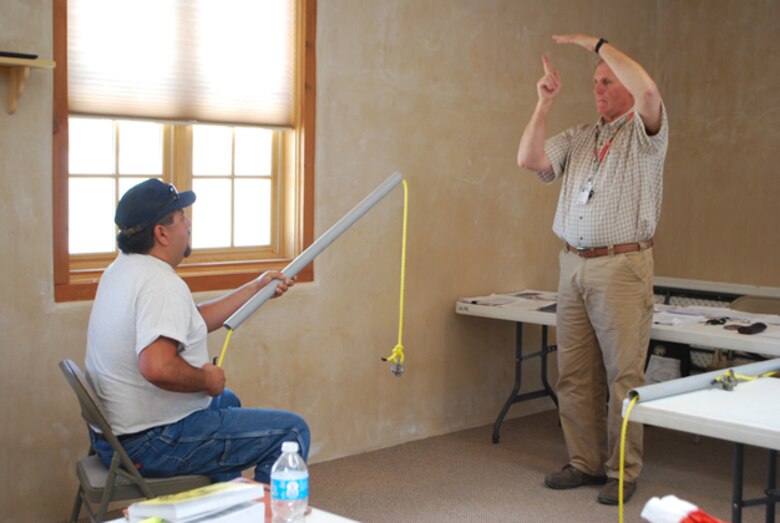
(599, 44)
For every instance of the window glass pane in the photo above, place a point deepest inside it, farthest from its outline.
(91, 215)
(253, 151)
(212, 150)
(91, 147)
(140, 148)
(253, 213)
(211, 214)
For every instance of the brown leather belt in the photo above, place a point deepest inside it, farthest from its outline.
(595, 252)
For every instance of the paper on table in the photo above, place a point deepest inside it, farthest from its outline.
(691, 310)
(493, 299)
(196, 502)
(719, 312)
(529, 294)
(668, 318)
(511, 298)
(247, 512)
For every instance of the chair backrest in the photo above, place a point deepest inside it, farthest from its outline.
(91, 409)
(92, 412)
(757, 304)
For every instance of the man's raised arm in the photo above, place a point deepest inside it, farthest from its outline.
(630, 73)
(215, 312)
(530, 153)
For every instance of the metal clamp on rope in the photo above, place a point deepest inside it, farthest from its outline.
(728, 381)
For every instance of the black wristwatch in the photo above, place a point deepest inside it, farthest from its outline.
(599, 44)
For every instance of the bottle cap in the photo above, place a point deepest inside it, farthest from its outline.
(290, 446)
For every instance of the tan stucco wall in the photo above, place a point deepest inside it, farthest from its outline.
(721, 79)
(439, 90)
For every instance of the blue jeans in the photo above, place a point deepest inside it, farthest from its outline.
(220, 441)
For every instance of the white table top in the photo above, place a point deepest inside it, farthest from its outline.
(526, 311)
(315, 516)
(746, 414)
(320, 516)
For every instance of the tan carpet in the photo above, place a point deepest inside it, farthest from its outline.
(464, 477)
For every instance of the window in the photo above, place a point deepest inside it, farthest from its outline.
(254, 182)
(234, 171)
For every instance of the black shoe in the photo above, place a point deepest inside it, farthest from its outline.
(608, 495)
(570, 477)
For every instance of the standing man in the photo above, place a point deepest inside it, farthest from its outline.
(608, 208)
(147, 355)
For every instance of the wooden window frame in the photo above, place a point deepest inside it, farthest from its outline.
(297, 207)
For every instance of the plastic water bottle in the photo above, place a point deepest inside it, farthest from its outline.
(289, 485)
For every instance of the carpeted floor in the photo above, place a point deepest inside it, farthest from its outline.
(464, 477)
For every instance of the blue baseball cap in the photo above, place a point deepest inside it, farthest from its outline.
(147, 203)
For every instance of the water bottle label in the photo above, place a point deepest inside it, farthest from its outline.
(290, 489)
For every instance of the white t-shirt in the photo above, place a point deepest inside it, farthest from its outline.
(139, 299)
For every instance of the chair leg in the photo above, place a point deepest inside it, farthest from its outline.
(108, 489)
(74, 514)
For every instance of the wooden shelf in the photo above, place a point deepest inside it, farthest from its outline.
(18, 70)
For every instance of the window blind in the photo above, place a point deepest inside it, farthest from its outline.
(220, 61)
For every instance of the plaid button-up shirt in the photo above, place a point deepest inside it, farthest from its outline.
(627, 185)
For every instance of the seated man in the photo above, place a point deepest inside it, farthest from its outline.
(148, 360)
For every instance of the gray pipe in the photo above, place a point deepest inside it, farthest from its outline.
(306, 257)
(695, 382)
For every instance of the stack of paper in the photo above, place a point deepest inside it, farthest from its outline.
(227, 502)
(528, 296)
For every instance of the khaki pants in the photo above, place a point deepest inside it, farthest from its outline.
(605, 311)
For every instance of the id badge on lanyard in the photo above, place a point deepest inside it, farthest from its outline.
(586, 190)
(586, 193)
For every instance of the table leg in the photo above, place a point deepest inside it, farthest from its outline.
(772, 496)
(736, 493)
(546, 349)
(515, 396)
(518, 378)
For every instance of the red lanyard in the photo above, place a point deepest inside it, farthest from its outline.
(598, 158)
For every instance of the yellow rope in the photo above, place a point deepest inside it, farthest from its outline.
(397, 356)
(623, 431)
(744, 377)
(224, 348)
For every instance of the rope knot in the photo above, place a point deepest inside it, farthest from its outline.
(397, 359)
